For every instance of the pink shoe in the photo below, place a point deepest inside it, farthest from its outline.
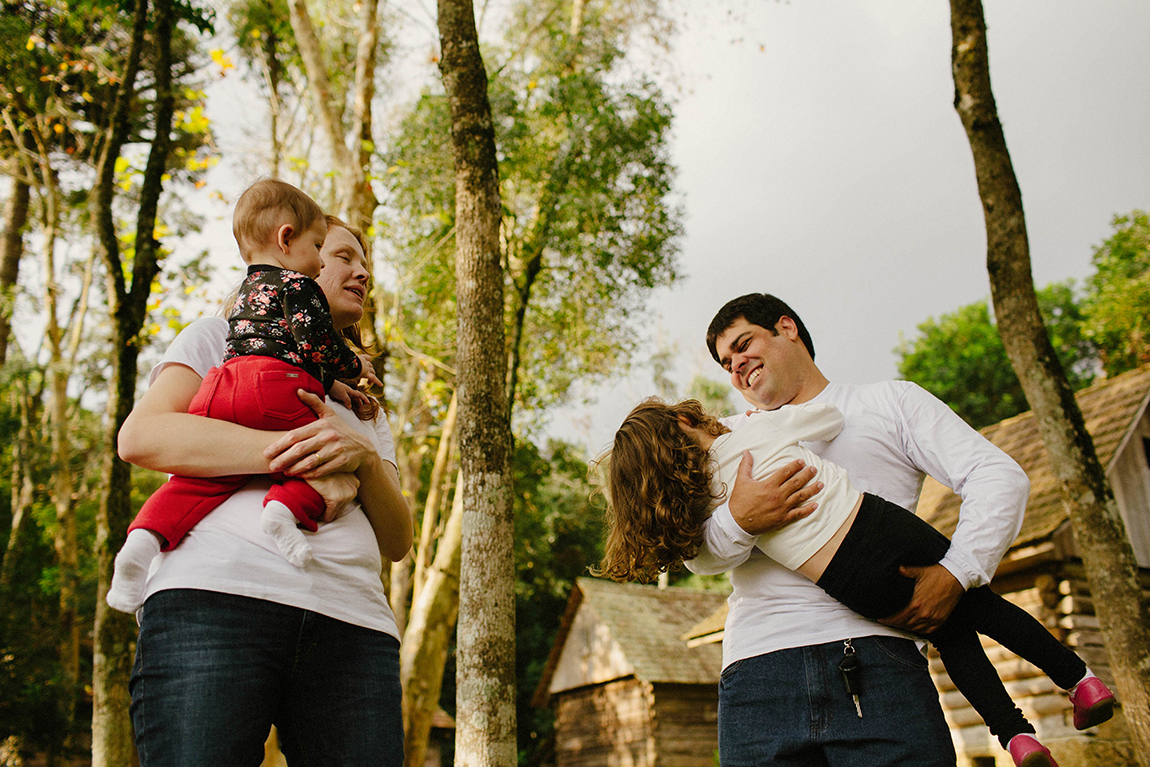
(1093, 703)
(1026, 751)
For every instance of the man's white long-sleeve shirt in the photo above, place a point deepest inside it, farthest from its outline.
(895, 433)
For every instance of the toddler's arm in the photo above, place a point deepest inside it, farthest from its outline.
(309, 320)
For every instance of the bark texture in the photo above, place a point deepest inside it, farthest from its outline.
(485, 701)
(11, 248)
(1099, 532)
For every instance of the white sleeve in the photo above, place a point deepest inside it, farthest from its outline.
(725, 544)
(386, 441)
(200, 346)
(993, 487)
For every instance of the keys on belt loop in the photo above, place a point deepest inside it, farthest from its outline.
(851, 668)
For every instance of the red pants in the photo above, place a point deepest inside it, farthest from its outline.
(257, 392)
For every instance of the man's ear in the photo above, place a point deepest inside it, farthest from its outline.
(284, 236)
(787, 327)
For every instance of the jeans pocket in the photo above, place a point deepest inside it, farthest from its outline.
(275, 394)
(903, 651)
(730, 670)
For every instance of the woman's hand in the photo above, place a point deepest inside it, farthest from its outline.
(338, 490)
(322, 447)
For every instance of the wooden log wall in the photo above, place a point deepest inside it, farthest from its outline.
(686, 725)
(607, 725)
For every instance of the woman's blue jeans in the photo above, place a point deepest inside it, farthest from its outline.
(790, 708)
(214, 671)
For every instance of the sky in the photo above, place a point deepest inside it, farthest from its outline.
(820, 159)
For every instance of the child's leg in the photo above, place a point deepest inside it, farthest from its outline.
(977, 679)
(130, 571)
(262, 395)
(864, 576)
(287, 504)
(1018, 631)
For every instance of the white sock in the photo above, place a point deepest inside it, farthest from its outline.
(130, 570)
(1086, 676)
(278, 522)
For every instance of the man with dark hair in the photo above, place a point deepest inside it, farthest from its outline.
(782, 697)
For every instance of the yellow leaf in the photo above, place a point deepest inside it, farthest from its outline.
(58, 128)
(222, 60)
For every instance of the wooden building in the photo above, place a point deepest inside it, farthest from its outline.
(627, 689)
(1043, 574)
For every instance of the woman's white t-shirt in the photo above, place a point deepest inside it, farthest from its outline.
(228, 551)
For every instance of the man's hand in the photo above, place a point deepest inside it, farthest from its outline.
(760, 506)
(936, 592)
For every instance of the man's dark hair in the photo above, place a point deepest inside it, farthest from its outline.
(760, 309)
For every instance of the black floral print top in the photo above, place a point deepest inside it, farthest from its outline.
(283, 314)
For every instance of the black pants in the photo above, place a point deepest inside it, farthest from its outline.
(864, 576)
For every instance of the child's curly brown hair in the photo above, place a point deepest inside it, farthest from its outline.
(658, 488)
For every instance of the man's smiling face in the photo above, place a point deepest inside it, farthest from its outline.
(766, 366)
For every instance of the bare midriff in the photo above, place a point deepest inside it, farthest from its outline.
(814, 567)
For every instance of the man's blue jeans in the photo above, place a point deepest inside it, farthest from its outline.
(790, 708)
(214, 671)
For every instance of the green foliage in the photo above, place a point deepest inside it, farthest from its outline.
(1117, 307)
(715, 396)
(589, 223)
(263, 33)
(33, 690)
(960, 358)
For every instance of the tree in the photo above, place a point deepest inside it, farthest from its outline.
(151, 32)
(11, 249)
(485, 713)
(588, 230)
(960, 359)
(1116, 317)
(1099, 532)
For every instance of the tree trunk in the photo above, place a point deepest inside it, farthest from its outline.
(1099, 532)
(356, 199)
(485, 646)
(428, 635)
(22, 484)
(11, 248)
(435, 488)
(115, 631)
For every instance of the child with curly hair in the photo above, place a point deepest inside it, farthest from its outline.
(671, 465)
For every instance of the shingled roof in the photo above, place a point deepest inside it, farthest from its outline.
(646, 624)
(1110, 408)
